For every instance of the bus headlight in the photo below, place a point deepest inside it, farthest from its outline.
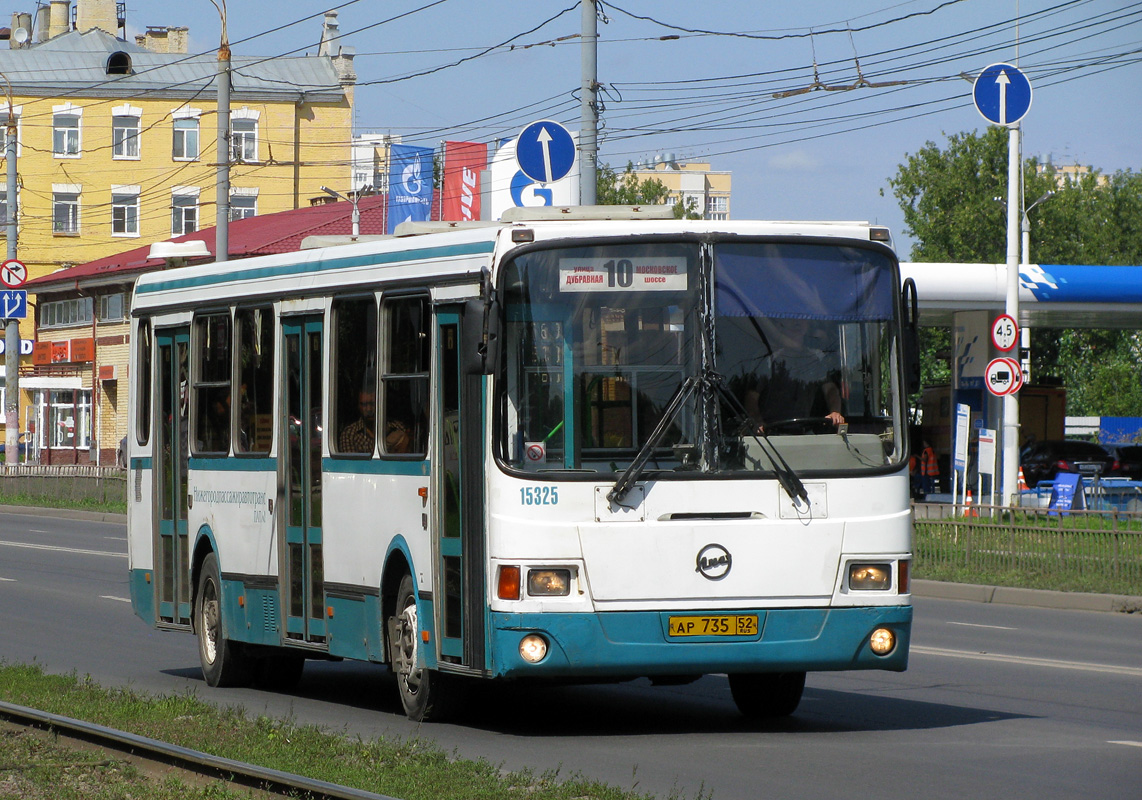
(549, 582)
(882, 641)
(870, 577)
(533, 648)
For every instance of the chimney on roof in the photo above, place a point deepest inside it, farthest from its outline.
(164, 40)
(330, 35)
(59, 19)
(101, 14)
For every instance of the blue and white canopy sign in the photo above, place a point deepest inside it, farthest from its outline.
(410, 184)
(1002, 94)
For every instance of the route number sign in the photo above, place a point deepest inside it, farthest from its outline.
(1004, 332)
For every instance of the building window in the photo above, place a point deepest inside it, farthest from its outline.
(244, 140)
(3, 214)
(717, 207)
(124, 213)
(125, 137)
(65, 135)
(69, 418)
(112, 307)
(65, 313)
(65, 212)
(184, 216)
(4, 130)
(243, 206)
(185, 139)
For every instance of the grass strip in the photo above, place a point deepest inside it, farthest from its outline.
(412, 769)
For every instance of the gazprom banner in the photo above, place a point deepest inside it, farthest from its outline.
(410, 184)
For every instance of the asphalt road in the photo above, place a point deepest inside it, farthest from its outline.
(999, 700)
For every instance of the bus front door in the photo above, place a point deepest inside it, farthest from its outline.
(172, 559)
(460, 529)
(302, 564)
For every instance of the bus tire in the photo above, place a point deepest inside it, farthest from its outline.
(421, 689)
(223, 662)
(762, 695)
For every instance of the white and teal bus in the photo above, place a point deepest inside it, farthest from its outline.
(588, 444)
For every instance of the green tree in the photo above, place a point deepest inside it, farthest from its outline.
(614, 189)
(948, 196)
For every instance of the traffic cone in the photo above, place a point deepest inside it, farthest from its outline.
(1023, 487)
(969, 511)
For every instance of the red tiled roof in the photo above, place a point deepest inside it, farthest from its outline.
(253, 236)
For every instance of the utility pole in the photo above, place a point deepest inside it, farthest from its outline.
(222, 221)
(12, 327)
(589, 105)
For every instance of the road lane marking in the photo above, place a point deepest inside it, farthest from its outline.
(1035, 662)
(1128, 744)
(977, 625)
(75, 550)
(113, 597)
(8, 580)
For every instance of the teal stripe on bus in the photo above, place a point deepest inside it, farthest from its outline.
(376, 466)
(227, 464)
(141, 462)
(297, 269)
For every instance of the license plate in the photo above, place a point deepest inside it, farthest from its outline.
(720, 625)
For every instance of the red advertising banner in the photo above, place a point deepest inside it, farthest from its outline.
(463, 162)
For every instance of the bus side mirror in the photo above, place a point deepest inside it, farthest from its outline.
(481, 345)
(911, 343)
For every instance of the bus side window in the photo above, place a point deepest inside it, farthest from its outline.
(355, 371)
(255, 332)
(211, 377)
(404, 379)
(142, 379)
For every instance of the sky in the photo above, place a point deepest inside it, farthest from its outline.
(704, 80)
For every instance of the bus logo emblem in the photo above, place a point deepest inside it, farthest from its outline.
(714, 562)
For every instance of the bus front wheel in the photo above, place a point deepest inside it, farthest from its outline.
(223, 662)
(767, 694)
(420, 688)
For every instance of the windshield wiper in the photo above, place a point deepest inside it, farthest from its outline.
(637, 467)
(784, 473)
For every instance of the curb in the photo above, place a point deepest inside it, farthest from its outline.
(1035, 598)
(65, 513)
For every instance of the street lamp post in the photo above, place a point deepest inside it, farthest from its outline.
(12, 328)
(222, 180)
(352, 198)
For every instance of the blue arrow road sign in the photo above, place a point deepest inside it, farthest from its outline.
(14, 303)
(1002, 94)
(545, 151)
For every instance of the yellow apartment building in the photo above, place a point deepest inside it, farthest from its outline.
(117, 148)
(693, 183)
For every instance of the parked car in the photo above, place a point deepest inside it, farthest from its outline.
(1043, 460)
(1129, 457)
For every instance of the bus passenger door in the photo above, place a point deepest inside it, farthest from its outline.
(172, 561)
(302, 564)
(459, 528)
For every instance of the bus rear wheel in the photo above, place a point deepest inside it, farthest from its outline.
(223, 662)
(420, 688)
(762, 695)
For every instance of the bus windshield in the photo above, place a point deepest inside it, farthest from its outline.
(698, 351)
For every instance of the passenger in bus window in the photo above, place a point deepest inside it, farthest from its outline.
(358, 436)
(796, 381)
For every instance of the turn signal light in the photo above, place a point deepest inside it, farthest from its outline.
(508, 585)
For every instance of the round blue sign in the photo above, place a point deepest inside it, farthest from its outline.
(1002, 94)
(545, 151)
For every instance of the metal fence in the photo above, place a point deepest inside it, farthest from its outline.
(71, 482)
(1091, 551)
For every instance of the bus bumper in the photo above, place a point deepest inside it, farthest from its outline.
(625, 644)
